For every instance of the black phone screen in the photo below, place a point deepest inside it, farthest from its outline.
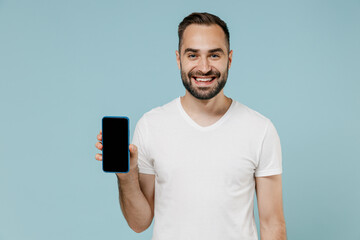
(115, 141)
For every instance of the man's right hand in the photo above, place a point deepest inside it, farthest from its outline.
(133, 157)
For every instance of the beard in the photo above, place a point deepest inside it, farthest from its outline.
(206, 92)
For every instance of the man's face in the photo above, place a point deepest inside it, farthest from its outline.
(204, 60)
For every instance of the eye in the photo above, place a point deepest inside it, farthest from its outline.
(191, 56)
(215, 56)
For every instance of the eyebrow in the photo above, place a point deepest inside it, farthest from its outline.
(197, 50)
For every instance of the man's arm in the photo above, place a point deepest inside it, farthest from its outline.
(270, 206)
(136, 191)
(134, 203)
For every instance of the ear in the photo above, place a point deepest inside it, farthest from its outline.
(177, 58)
(230, 58)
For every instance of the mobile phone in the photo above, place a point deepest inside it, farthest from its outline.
(115, 141)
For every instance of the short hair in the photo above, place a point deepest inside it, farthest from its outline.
(202, 19)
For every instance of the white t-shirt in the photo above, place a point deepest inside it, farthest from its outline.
(204, 176)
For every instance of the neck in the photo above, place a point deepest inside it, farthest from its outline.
(213, 107)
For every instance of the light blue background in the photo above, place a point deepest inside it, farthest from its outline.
(66, 64)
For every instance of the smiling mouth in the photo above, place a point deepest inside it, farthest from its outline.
(204, 79)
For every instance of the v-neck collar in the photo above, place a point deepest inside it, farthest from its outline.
(207, 128)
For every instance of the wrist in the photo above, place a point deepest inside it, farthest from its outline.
(132, 175)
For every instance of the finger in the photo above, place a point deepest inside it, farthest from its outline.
(99, 137)
(133, 151)
(98, 145)
(98, 157)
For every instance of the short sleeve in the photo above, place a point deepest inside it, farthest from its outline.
(140, 137)
(270, 157)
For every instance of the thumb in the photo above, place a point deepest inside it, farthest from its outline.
(133, 151)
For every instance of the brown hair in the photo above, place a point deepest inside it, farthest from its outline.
(202, 19)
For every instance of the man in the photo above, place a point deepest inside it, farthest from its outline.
(197, 160)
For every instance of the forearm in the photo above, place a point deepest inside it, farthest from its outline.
(134, 205)
(274, 231)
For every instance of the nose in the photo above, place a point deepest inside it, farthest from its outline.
(204, 65)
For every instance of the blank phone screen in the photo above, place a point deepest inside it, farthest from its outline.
(115, 141)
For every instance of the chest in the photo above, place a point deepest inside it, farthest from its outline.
(207, 159)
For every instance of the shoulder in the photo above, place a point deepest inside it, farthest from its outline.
(161, 113)
(250, 115)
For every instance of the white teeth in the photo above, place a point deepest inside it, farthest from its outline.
(203, 79)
